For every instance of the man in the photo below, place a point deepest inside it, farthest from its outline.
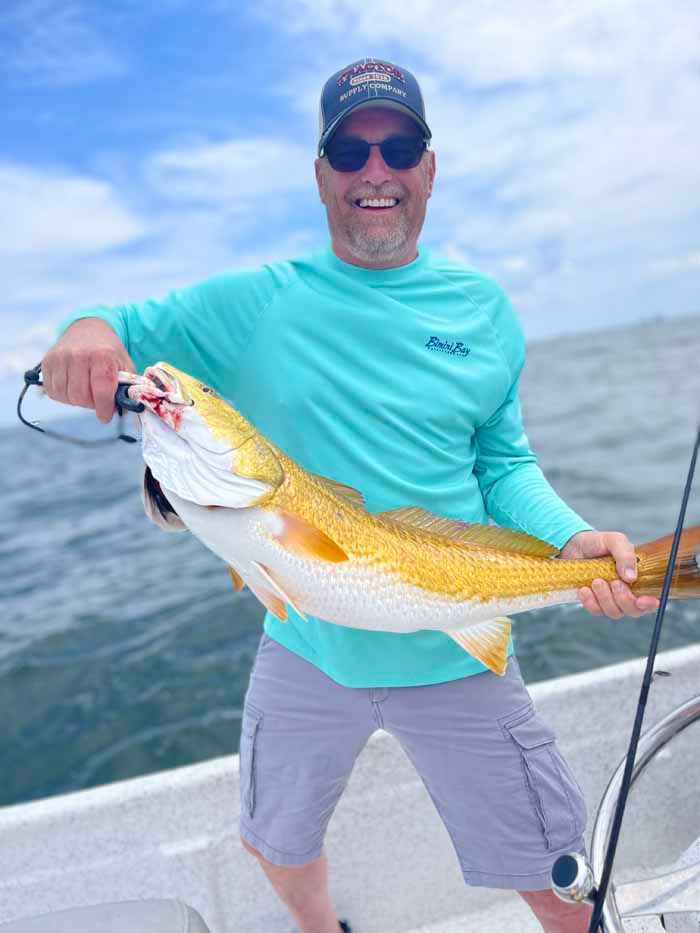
(395, 371)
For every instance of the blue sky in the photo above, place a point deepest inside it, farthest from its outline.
(147, 145)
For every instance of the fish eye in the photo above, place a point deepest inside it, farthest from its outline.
(206, 389)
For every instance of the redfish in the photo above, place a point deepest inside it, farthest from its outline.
(302, 540)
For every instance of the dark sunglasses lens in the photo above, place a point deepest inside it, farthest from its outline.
(350, 153)
(347, 155)
(402, 151)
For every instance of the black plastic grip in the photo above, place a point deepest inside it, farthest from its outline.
(122, 400)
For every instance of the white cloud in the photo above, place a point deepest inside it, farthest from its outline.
(515, 263)
(671, 264)
(479, 45)
(452, 251)
(54, 212)
(54, 42)
(238, 171)
(26, 349)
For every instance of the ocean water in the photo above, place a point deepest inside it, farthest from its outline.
(124, 650)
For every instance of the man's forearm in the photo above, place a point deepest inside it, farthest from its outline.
(523, 498)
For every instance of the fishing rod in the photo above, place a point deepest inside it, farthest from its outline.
(32, 377)
(600, 894)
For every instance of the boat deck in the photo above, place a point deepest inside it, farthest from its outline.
(174, 833)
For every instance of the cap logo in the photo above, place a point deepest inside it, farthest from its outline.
(380, 71)
(372, 76)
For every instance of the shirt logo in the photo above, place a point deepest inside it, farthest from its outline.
(453, 348)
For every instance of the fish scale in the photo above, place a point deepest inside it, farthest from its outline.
(427, 560)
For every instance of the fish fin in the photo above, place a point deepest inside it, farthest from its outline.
(305, 540)
(487, 642)
(270, 601)
(275, 585)
(491, 536)
(349, 493)
(653, 560)
(236, 579)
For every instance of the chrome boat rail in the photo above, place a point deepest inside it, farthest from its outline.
(673, 897)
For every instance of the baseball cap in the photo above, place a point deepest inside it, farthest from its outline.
(369, 82)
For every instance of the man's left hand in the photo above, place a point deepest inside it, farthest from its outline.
(601, 598)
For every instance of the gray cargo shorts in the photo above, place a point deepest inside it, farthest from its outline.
(489, 762)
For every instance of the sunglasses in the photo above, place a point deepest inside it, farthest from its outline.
(350, 153)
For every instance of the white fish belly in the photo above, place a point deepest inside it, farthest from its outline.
(349, 593)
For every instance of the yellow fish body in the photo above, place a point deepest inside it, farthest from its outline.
(301, 539)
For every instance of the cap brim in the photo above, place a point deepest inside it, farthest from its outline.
(373, 102)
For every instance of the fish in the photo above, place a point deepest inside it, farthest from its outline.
(301, 540)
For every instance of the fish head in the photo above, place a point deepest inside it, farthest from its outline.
(196, 444)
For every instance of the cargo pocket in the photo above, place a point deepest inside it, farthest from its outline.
(554, 793)
(250, 727)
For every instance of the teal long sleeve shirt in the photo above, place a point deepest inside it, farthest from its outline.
(400, 382)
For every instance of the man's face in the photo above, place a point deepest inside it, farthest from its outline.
(377, 238)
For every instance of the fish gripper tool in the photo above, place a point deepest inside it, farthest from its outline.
(122, 400)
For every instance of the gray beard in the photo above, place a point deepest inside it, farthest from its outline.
(367, 245)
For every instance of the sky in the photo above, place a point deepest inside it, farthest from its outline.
(147, 145)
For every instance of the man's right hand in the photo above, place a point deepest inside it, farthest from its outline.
(81, 368)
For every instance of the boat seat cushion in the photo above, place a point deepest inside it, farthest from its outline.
(152, 916)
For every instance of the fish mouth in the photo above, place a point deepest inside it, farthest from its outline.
(168, 384)
(161, 394)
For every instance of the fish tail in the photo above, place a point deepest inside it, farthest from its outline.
(653, 560)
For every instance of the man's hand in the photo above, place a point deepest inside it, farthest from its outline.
(81, 368)
(602, 598)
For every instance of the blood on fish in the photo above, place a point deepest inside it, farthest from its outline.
(156, 402)
(161, 407)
